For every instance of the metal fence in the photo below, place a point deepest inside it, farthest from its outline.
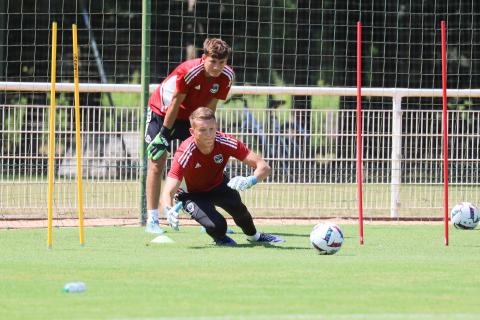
(312, 154)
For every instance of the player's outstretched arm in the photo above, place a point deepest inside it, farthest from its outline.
(262, 170)
(166, 199)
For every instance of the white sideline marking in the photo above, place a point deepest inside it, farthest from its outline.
(355, 316)
(162, 239)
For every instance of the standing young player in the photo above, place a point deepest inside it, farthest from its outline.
(193, 84)
(200, 160)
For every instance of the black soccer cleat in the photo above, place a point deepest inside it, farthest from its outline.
(267, 237)
(225, 241)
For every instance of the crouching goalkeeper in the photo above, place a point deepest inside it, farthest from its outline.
(201, 160)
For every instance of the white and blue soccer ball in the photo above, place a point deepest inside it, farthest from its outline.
(465, 216)
(326, 238)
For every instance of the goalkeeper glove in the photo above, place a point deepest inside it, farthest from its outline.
(172, 215)
(240, 183)
(159, 145)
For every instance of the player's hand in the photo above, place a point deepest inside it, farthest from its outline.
(159, 144)
(172, 215)
(157, 147)
(240, 183)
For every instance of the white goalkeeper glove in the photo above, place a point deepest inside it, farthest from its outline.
(240, 183)
(172, 215)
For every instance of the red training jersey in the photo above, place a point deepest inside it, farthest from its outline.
(189, 78)
(203, 172)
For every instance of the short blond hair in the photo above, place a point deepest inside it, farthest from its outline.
(202, 113)
(216, 48)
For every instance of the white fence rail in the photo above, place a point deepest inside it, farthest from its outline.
(313, 163)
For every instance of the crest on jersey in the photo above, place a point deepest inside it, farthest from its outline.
(218, 158)
(190, 208)
(215, 88)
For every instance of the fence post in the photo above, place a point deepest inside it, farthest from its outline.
(145, 79)
(396, 156)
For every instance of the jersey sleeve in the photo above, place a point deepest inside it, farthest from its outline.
(176, 171)
(181, 85)
(241, 152)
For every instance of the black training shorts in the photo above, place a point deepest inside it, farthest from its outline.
(155, 122)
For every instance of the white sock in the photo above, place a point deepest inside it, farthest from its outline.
(152, 214)
(255, 237)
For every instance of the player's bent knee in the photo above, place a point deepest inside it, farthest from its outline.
(214, 223)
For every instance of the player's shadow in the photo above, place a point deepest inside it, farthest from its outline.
(464, 246)
(251, 245)
(302, 235)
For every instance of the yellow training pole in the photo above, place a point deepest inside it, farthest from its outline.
(51, 140)
(78, 141)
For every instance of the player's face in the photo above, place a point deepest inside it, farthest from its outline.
(203, 131)
(214, 66)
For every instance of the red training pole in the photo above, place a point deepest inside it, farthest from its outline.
(359, 129)
(445, 129)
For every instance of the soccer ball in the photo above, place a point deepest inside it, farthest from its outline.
(326, 238)
(465, 216)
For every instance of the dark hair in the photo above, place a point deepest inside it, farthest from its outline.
(216, 48)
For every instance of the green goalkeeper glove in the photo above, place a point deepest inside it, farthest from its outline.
(159, 144)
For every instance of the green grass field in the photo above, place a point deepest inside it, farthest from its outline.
(402, 272)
